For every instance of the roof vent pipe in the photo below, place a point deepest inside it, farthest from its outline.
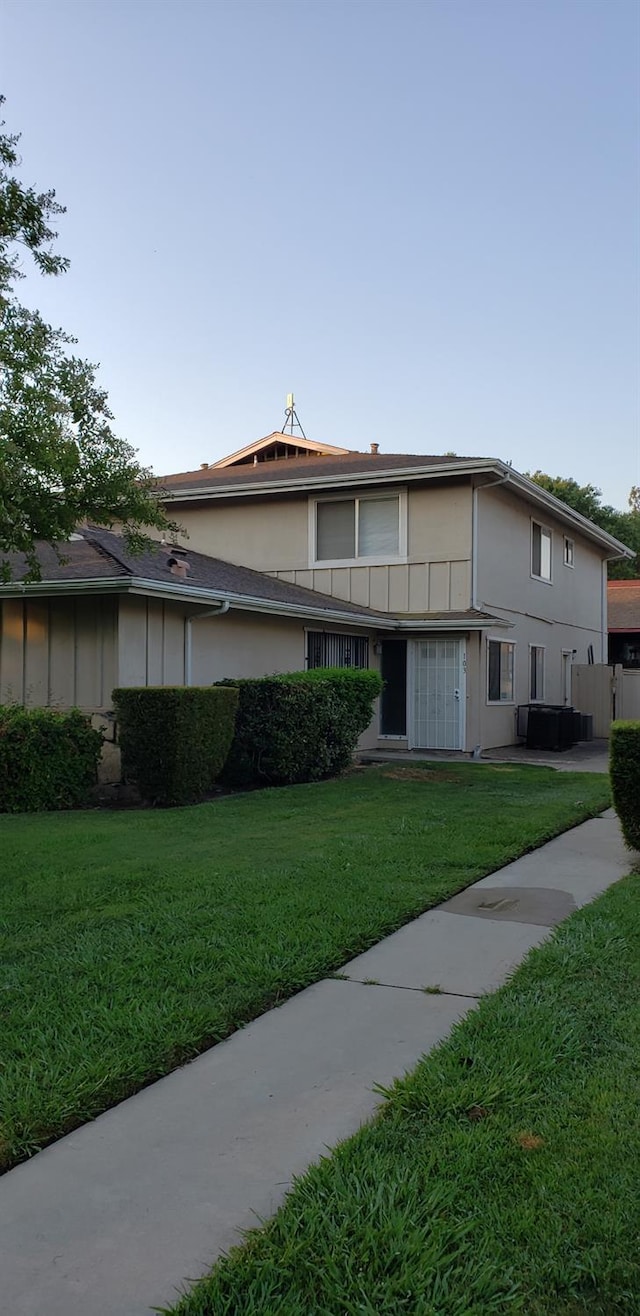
(374, 448)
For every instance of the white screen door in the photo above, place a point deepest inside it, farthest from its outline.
(438, 694)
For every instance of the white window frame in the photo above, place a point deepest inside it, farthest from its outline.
(545, 580)
(539, 699)
(357, 498)
(500, 703)
(569, 550)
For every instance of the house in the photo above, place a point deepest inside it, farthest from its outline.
(624, 622)
(473, 590)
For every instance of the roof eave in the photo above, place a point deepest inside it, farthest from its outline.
(537, 494)
(138, 585)
(481, 466)
(347, 478)
(454, 624)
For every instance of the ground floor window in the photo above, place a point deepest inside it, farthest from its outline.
(536, 673)
(500, 665)
(325, 649)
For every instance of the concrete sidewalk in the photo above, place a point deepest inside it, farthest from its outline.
(119, 1216)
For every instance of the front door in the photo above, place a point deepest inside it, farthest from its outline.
(438, 694)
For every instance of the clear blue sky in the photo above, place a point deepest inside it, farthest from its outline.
(422, 217)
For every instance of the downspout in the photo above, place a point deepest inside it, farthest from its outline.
(188, 638)
(474, 533)
(477, 749)
(604, 621)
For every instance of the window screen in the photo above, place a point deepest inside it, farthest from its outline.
(378, 531)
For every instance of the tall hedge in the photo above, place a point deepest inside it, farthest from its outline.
(48, 760)
(301, 726)
(624, 767)
(174, 739)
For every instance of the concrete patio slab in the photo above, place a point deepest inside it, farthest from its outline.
(457, 954)
(113, 1218)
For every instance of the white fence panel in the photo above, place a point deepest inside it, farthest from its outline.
(606, 693)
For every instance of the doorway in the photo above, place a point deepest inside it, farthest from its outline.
(438, 702)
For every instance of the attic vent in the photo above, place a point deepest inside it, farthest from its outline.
(177, 566)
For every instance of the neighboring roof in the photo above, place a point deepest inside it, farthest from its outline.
(98, 560)
(102, 555)
(286, 446)
(308, 474)
(623, 605)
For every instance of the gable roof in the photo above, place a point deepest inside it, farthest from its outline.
(623, 605)
(276, 447)
(98, 561)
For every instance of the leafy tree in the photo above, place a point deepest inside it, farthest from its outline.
(587, 499)
(60, 461)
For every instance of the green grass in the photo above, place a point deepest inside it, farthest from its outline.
(130, 941)
(502, 1176)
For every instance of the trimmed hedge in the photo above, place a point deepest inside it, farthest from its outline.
(48, 760)
(301, 726)
(174, 739)
(624, 767)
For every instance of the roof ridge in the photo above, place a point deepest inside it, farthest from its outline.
(92, 533)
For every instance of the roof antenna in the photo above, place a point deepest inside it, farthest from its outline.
(291, 417)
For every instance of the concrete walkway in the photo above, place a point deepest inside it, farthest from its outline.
(117, 1217)
(587, 756)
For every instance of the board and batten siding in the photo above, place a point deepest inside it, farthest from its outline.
(272, 535)
(58, 653)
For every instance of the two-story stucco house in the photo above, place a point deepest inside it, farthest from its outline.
(469, 586)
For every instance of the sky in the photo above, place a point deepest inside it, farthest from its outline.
(421, 216)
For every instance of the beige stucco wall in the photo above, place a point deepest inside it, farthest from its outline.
(563, 615)
(241, 644)
(268, 535)
(58, 653)
(272, 535)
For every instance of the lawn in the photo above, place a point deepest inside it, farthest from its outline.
(502, 1176)
(132, 940)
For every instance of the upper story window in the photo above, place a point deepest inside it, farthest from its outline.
(569, 552)
(540, 551)
(369, 528)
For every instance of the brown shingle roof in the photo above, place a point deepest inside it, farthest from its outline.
(623, 605)
(294, 467)
(100, 554)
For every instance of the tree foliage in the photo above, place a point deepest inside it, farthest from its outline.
(60, 461)
(587, 499)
